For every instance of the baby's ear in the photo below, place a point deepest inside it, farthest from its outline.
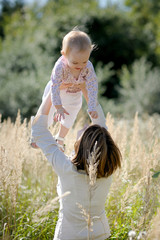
(62, 52)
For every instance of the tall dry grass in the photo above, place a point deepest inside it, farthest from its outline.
(27, 181)
(133, 186)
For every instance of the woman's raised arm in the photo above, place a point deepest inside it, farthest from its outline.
(45, 105)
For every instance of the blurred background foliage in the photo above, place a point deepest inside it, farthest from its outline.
(126, 58)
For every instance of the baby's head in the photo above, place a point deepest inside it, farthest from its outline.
(76, 40)
(76, 48)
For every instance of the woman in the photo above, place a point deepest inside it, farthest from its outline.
(82, 212)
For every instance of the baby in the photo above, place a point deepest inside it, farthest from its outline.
(72, 75)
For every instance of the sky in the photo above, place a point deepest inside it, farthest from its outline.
(102, 2)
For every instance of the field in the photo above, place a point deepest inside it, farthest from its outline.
(28, 183)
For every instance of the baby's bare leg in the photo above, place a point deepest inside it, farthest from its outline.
(61, 135)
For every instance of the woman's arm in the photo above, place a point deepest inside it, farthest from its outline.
(45, 140)
(45, 106)
(100, 120)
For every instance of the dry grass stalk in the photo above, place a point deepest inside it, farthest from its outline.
(93, 164)
(49, 206)
(154, 232)
(13, 137)
(87, 218)
(110, 123)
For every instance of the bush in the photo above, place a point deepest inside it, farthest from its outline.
(140, 89)
(23, 74)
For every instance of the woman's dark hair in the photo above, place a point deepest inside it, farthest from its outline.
(108, 155)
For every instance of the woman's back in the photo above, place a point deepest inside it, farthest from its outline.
(83, 202)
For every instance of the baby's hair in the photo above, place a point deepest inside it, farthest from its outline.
(76, 39)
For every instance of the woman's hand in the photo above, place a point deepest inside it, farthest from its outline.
(93, 114)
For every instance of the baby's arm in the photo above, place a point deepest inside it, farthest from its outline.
(56, 78)
(93, 114)
(91, 91)
(100, 120)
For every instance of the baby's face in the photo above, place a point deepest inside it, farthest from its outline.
(77, 60)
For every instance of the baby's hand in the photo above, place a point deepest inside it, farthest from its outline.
(34, 145)
(60, 114)
(93, 114)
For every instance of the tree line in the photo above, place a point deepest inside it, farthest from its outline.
(126, 57)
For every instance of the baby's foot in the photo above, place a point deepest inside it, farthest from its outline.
(60, 142)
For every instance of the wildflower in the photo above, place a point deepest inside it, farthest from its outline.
(131, 234)
(142, 235)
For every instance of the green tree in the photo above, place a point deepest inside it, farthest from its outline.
(146, 15)
(8, 8)
(118, 41)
